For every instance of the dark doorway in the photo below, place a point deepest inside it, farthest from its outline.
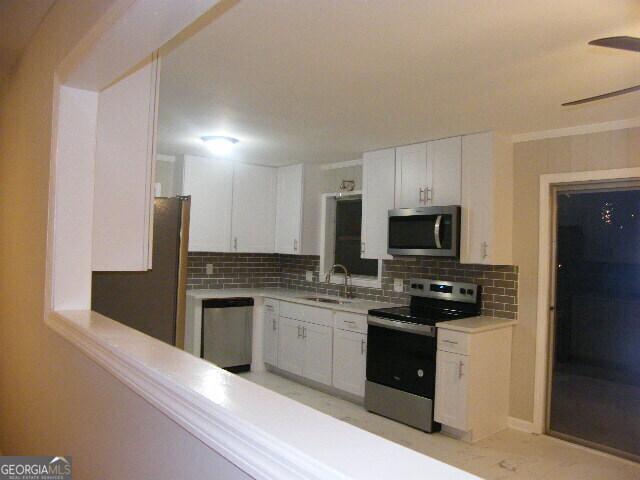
(595, 371)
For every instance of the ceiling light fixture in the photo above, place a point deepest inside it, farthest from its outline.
(218, 144)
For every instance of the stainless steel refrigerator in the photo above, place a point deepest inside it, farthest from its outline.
(152, 302)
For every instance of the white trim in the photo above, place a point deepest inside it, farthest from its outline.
(577, 130)
(327, 242)
(544, 277)
(348, 163)
(521, 425)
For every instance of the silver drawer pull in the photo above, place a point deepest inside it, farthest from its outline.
(450, 341)
(351, 322)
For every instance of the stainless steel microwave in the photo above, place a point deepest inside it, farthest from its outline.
(425, 231)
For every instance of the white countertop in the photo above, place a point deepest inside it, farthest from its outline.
(476, 324)
(355, 305)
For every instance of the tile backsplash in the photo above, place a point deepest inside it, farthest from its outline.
(256, 270)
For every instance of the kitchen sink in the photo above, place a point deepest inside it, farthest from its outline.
(334, 301)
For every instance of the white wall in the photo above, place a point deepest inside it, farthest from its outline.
(53, 399)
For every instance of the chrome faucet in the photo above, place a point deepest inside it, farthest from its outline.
(347, 277)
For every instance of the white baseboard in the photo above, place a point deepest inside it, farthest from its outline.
(519, 424)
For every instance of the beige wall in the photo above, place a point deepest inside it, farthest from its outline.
(597, 151)
(53, 399)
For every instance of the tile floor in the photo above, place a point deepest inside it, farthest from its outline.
(507, 455)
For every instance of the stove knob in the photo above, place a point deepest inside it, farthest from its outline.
(469, 292)
(414, 285)
(421, 287)
(420, 373)
(463, 291)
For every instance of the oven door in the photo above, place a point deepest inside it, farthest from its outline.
(402, 356)
(424, 231)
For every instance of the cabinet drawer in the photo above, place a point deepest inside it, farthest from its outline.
(455, 342)
(319, 316)
(351, 321)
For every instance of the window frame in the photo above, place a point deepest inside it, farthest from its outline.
(327, 243)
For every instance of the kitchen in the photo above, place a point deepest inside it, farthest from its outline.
(290, 240)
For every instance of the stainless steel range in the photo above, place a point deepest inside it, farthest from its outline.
(401, 350)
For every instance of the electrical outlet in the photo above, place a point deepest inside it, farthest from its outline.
(309, 276)
(209, 268)
(398, 285)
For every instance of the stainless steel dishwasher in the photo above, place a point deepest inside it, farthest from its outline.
(227, 325)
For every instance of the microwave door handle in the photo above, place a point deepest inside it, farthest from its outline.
(436, 231)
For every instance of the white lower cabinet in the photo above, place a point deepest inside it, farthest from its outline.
(349, 361)
(305, 349)
(317, 343)
(270, 332)
(451, 390)
(472, 382)
(318, 349)
(290, 345)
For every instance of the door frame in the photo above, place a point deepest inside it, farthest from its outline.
(548, 183)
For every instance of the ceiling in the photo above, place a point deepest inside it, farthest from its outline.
(19, 20)
(325, 80)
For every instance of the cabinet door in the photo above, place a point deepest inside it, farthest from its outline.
(378, 172)
(477, 198)
(254, 209)
(451, 389)
(290, 345)
(445, 171)
(318, 350)
(209, 182)
(411, 176)
(349, 361)
(124, 164)
(289, 209)
(270, 332)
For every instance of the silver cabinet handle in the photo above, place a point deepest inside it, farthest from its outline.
(429, 194)
(450, 341)
(460, 365)
(362, 347)
(295, 245)
(275, 326)
(421, 197)
(269, 307)
(350, 322)
(436, 231)
(362, 247)
(484, 249)
(299, 334)
(304, 332)
(235, 243)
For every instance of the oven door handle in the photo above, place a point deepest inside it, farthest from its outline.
(436, 231)
(426, 330)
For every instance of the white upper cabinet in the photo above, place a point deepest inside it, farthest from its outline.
(209, 181)
(428, 174)
(298, 210)
(254, 209)
(411, 176)
(487, 199)
(378, 172)
(124, 173)
(444, 165)
(289, 209)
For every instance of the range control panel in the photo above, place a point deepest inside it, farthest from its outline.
(454, 291)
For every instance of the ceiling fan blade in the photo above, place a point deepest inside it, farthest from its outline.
(603, 96)
(621, 43)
